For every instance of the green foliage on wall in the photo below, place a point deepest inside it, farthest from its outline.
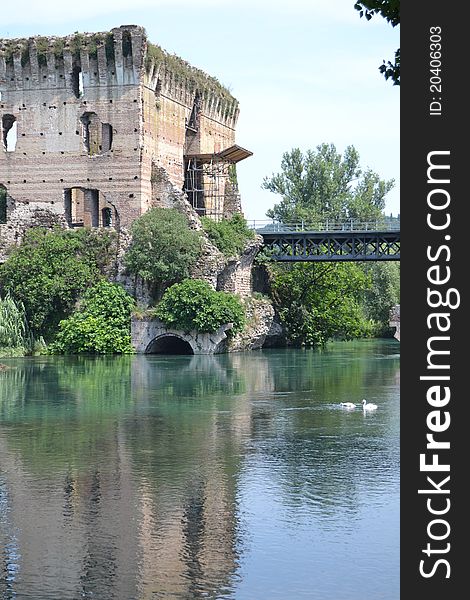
(194, 305)
(228, 235)
(101, 324)
(163, 248)
(195, 78)
(51, 269)
(56, 46)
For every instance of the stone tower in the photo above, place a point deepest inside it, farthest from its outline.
(97, 128)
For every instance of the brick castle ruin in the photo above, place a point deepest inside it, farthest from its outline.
(97, 128)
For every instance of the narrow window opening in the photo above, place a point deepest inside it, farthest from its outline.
(92, 133)
(106, 137)
(10, 132)
(107, 217)
(77, 81)
(92, 202)
(193, 122)
(126, 44)
(3, 204)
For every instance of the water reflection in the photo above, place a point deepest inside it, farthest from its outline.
(184, 477)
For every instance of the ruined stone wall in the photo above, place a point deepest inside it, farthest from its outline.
(236, 276)
(51, 86)
(99, 112)
(184, 112)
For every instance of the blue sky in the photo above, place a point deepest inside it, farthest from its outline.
(305, 71)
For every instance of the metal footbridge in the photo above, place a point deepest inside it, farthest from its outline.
(333, 241)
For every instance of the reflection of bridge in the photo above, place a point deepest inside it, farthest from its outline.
(348, 240)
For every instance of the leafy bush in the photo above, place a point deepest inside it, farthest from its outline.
(163, 248)
(318, 302)
(51, 269)
(101, 325)
(228, 235)
(194, 305)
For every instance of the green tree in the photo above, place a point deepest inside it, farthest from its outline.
(390, 11)
(323, 184)
(194, 305)
(100, 325)
(383, 293)
(320, 301)
(163, 248)
(51, 269)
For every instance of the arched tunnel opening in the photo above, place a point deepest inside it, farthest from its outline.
(169, 344)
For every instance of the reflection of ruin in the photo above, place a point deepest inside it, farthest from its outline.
(119, 531)
(111, 500)
(134, 485)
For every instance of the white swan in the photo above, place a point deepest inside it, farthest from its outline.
(368, 405)
(347, 405)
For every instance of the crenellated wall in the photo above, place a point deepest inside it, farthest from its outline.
(49, 87)
(95, 115)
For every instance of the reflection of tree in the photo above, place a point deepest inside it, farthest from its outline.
(196, 377)
(119, 454)
(131, 466)
(47, 397)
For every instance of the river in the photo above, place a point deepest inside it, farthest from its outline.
(229, 477)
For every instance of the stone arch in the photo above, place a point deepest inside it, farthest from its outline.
(169, 343)
(107, 216)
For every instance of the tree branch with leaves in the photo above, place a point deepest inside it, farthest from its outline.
(390, 11)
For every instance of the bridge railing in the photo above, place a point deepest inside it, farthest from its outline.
(271, 226)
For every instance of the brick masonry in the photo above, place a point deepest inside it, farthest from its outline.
(95, 129)
(98, 117)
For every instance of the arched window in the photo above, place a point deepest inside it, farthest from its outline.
(106, 217)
